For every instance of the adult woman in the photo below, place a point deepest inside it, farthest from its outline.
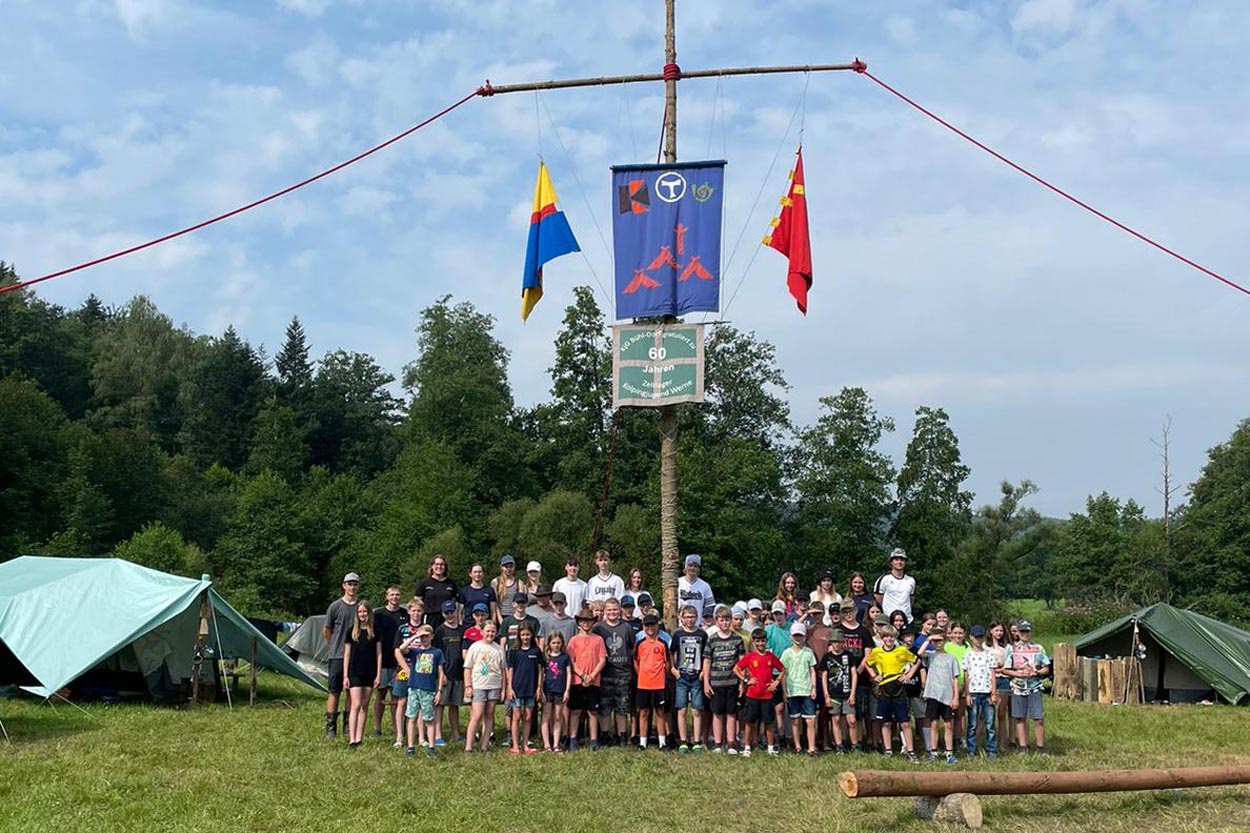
(436, 588)
(476, 592)
(861, 596)
(634, 583)
(362, 670)
(996, 645)
(787, 591)
(505, 586)
(827, 595)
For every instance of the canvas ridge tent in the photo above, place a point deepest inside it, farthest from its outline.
(1189, 657)
(308, 647)
(66, 619)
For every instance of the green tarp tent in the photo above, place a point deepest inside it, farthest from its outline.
(1189, 657)
(62, 619)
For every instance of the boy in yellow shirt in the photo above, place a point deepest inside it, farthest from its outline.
(890, 666)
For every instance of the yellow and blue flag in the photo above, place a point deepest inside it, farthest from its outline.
(550, 237)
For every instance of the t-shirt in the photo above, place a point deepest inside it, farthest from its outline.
(566, 626)
(405, 632)
(586, 651)
(484, 661)
(468, 596)
(364, 655)
(511, 625)
(450, 639)
(1025, 655)
(386, 625)
(818, 638)
(798, 663)
(863, 601)
(891, 664)
(339, 618)
(689, 652)
(524, 664)
(425, 663)
(471, 633)
(555, 674)
(957, 651)
(618, 639)
(652, 665)
(574, 591)
(724, 653)
(600, 589)
(434, 592)
(542, 617)
(759, 668)
(838, 670)
(778, 637)
(978, 668)
(941, 677)
(896, 593)
(697, 593)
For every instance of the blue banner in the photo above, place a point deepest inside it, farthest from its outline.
(666, 231)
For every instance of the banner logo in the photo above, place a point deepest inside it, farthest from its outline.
(670, 186)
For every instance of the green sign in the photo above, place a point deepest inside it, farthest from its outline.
(657, 364)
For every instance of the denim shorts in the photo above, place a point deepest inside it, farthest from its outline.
(522, 702)
(1027, 706)
(689, 694)
(483, 695)
(804, 707)
(399, 689)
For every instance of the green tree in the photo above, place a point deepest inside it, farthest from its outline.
(333, 515)
(356, 415)
(221, 400)
(33, 459)
(161, 548)
(1111, 552)
(933, 507)
(843, 482)
(277, 443)
(503, 527)
(556, 527)
(43, 343)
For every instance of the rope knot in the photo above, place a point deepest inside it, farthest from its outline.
(486, 90)
(672, 72)
(859, 66)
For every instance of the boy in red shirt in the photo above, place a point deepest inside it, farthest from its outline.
(651, 671)
(756, 672)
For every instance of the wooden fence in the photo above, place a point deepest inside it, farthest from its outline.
(1109, 681)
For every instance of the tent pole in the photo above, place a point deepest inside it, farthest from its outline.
(199, 647)
(251, 682)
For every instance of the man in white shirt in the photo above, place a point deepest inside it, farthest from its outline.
(573, 588)
(895, 590)
(692, 590)
(606, 584)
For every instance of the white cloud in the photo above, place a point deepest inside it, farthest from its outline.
(311, 8)
(1058, 16)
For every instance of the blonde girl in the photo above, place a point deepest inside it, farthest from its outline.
(362, 670)
(483, 684)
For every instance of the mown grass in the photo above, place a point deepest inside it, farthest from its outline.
(142, 768)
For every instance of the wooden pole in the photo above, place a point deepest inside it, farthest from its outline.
(251, 677)
(877, 783)
(489, 89)
(668, 413)
(200, 633)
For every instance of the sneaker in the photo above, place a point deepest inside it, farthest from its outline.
(839, 751)
(397, 745)
(718, 749)
(889, 753)
(439, 742)
(1041, 752)
(911, 756)
(746, 751)
(573, 744)
(697, 749)
(774, 751)
(411, 752)
(731, 750)
(681, 747)
(811, 753)
(991, 755)
(932, 756)
(951, 759)
(429, 750)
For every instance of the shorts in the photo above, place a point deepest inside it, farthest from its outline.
(335, 668)
(584, 698)
(420, 704)
(453, 693)
(358, 681)
(689, 694)
(1003, 683)
(937, 710)
(653, 699)
(837, 707)
(554, 698)
(387, 677)
(486, 695)
(801, 706)
(1027, 705)
(757, 711)
(614, 696)
(917, 707)
(724, 700)
(522, 703)
(399, 689)
(864, 707)
(892, 709)
(779, 696)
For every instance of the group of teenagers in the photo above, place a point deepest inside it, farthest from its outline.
(589, 663)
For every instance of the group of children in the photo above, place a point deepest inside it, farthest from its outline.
(813, 674)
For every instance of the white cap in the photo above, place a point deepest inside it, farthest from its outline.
(779, 606)
(533, 567)
(798, 629)
(755, 604)
(739, 609)
(350, 577)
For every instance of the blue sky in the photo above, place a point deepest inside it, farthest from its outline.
(1057, 344)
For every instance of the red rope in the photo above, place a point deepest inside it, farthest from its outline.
(485, 90)
(862, 69)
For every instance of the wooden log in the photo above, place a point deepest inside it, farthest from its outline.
(1119, 679)
(251, 677)
(1105, 689)
(1089, 680)
(879, 783)
(957, 808)
(1066, 671)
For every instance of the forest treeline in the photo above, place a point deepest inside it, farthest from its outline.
(125, 434)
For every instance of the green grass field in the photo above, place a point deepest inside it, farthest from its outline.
(143, 768)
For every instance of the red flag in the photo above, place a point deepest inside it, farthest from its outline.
(789, 236)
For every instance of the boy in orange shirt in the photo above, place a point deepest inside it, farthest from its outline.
(651, 670)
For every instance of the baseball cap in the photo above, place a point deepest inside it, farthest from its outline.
(644, 596)
(739, 609)
(650, 619)
(798, 629)
(533, 567)
(627, 601)
(585, 615)
(543, 590)
(559, 597)
(449, 606)
(881, 619)
(847, 604)
(816, 604)
(709, 610)
(507, 559)
(976, 630)
(779, 606)
(521, 599)
(898, 552)
(836, 635)
(755, 604)
(826, 573)
(694, 558)
(1024, 625)
(480, 607)
(351, 577)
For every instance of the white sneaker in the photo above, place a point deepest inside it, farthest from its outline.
(732, 750)
(746, 751)
(397, 745)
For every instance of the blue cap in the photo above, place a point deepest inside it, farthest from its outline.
(449, 606)
(521, 598)
(644, 596)
(507, 559)
(480, 608)
(627, 600)
(976, 630)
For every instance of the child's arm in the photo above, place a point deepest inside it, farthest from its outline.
(705, 675)
(347, 658)
(468, 677)
(442, 681)
(507, 675)
(399, 655)
(813, 678)
(778, 680)
(377, 657)
(568, 681)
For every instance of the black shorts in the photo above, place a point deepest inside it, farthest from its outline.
(614, 696)
(359, 681)
(724, 700)
(335, 668)
(757, 711)
(651, 699)
(584, 698)
(937, 710)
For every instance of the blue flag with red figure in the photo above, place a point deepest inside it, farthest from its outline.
(666, 232)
